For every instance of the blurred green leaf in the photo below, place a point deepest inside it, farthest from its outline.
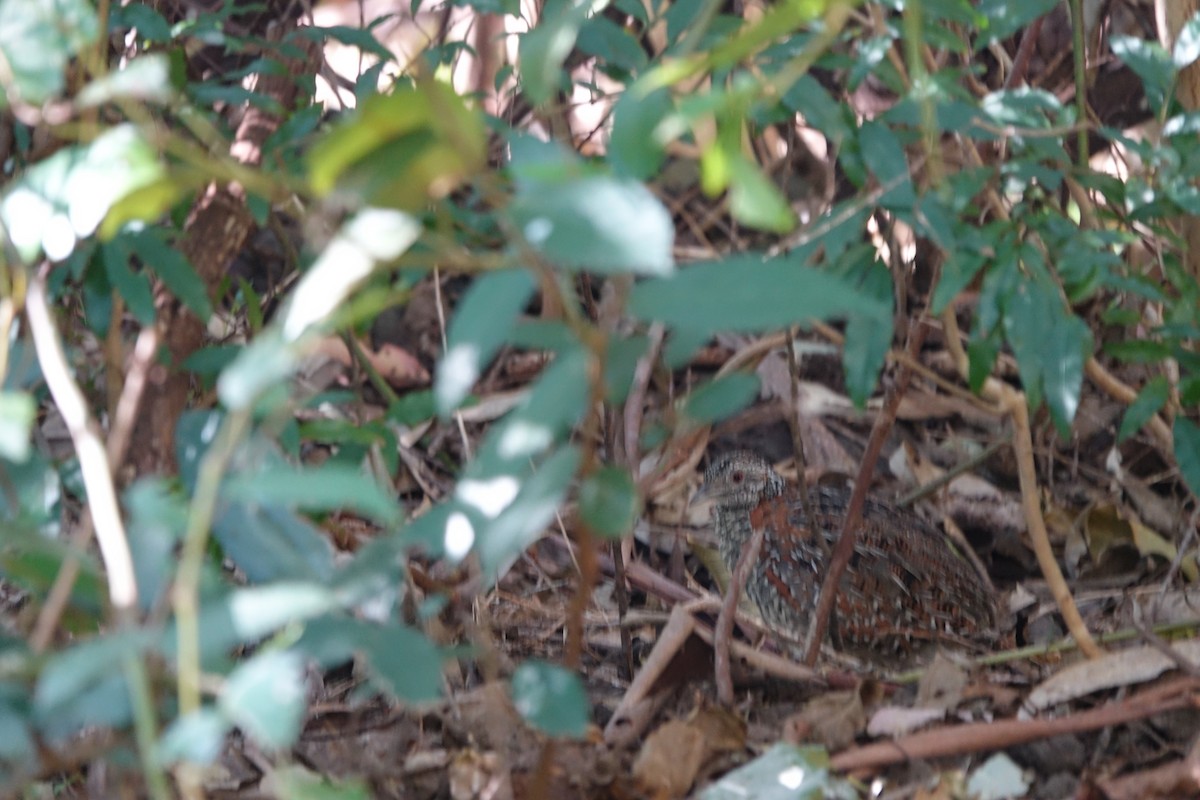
(327, 488)
(638, 141)
(296, 783)
(482, 321)
(197, 737)
(543, 50)
(1051, 346)
(266, 697)
(371, 237)
(1148, 402)
(146, 79)
(720, 397)
(1150, 62)
(754, 200)
(17, 412)
(615, 47)
(261, 365)
(609, 502)
(269, 542)
(399, 659)
(597, 223)
(37, 38)
(786, 771)
(1187, 453)
(401, 149)
(884, 156)
(157, 519)
(550, 698)
(506, 529)
(134, 287)
(1003, 19)
(64, 197)
(749, 293)
(173, 268)
(69, 676)
(1187, 43)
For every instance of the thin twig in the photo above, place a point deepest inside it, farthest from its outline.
(844, 548)
(723, 632)
(93, 460)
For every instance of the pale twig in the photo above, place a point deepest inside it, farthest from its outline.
(93, 460)
(723, 632)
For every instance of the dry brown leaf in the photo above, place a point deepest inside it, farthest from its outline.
(834, 720)
(942, 684)
(1122, 668)
(670, 759)
(893, 721)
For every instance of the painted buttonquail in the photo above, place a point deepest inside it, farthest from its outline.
(905, 587)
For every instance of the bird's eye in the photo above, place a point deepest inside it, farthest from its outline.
(738, 476)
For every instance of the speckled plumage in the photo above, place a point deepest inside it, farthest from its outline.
(905, 586)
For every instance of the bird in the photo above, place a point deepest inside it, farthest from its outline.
(905, 588)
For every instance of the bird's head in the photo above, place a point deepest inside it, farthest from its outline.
(739, 480)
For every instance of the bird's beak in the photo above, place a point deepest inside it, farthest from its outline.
(702, 495)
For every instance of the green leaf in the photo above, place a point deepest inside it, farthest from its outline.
(64, 197)
(1187, 453)
(1051, 346)
(265, 697)
(1150, 62)
(550, 698)
(614, 46)
(272, 543)
(265, 363)
(1005, 18)
(134, 287)
(639, 138)
(1187, 43)
(17, 412)
(157, 519)
(600, 223)
(401, 149)
(784, 772)
(484, 318)
(244, 616)
(400, 660)
(173, 268)
(37, 38)
(754, 200)
(749, 293)
(145, 79)
(296, 783)
(327, 488)
(720, 398)
(197, 737)
(868, 340)
(507, 529)
(543, 50)
(72, 674)
(884, 156)
(609, 502)
(369, 238)
(1149, 400)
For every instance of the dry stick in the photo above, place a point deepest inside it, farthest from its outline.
(724, 630)
(793, 418)
(1013, 403)
(1024, 53)
(844, 548)
(93, 461)
(671, 638)
(117, 444)
(632, 429)
(976, 737)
